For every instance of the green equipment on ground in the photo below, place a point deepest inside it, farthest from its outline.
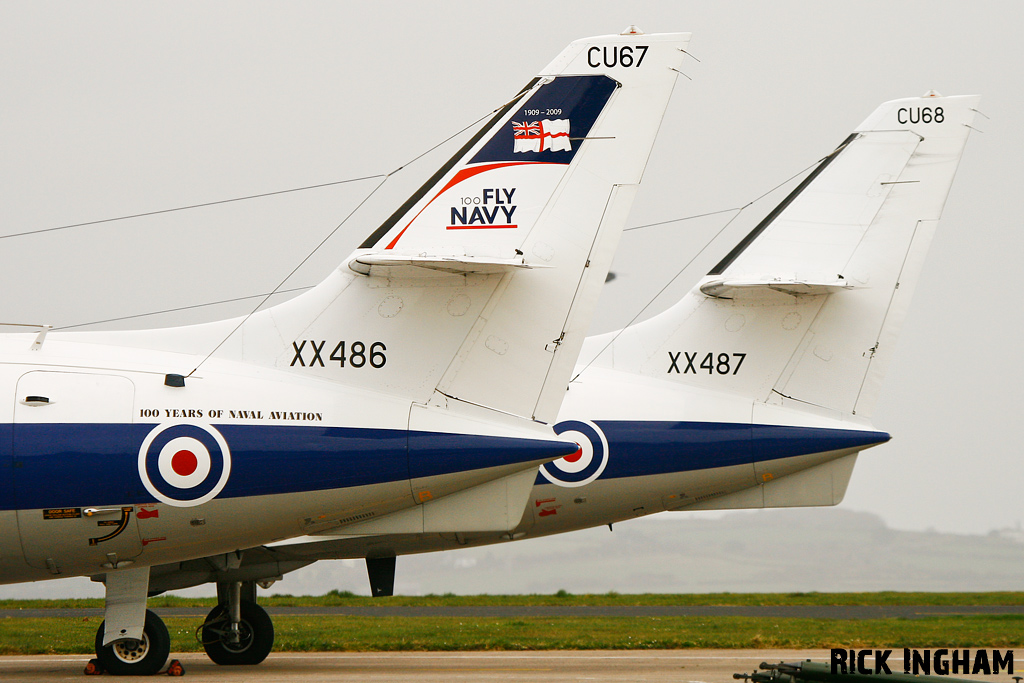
(814, 672)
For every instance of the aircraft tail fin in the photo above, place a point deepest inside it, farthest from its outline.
(806, 309)
(479, 288)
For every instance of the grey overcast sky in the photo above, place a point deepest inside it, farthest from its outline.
(116, 108)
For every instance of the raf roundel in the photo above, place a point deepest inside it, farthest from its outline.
(184, 464)
(586, 464)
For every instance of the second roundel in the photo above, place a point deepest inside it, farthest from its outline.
(586, 464)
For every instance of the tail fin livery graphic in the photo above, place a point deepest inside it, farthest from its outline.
(509, 177)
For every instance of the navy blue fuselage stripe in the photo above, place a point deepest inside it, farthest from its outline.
(580, 99)
(73, 465)
(643, 448)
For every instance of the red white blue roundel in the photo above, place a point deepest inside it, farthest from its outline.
(586, 464)
(184, 464)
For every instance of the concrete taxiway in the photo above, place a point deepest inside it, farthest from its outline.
(658, 666)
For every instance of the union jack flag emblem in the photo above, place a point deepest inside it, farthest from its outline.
(537, 136)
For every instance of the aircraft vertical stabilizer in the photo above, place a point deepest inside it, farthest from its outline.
(806, 309)
(533, 339)
(480, 287)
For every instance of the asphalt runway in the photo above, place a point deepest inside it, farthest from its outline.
(764, 611)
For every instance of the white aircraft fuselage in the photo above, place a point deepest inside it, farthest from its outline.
(107, 466)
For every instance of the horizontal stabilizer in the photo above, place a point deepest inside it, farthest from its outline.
(390, 264)
(763, 291)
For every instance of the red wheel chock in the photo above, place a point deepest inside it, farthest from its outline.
(93, 668)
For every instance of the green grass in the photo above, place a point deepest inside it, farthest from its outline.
(74, 635)
(336, 598)
(339, 633)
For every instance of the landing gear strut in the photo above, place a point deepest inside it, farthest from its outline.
(237, 631)
(131, 657)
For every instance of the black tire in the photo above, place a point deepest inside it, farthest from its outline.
(256, 631)
(131, 657)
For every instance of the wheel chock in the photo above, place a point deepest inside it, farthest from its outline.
(93, 668)
(175, 668)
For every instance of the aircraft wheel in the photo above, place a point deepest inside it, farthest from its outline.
(255, 635)
(130, 657)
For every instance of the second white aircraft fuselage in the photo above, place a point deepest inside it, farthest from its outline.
(646, 446)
